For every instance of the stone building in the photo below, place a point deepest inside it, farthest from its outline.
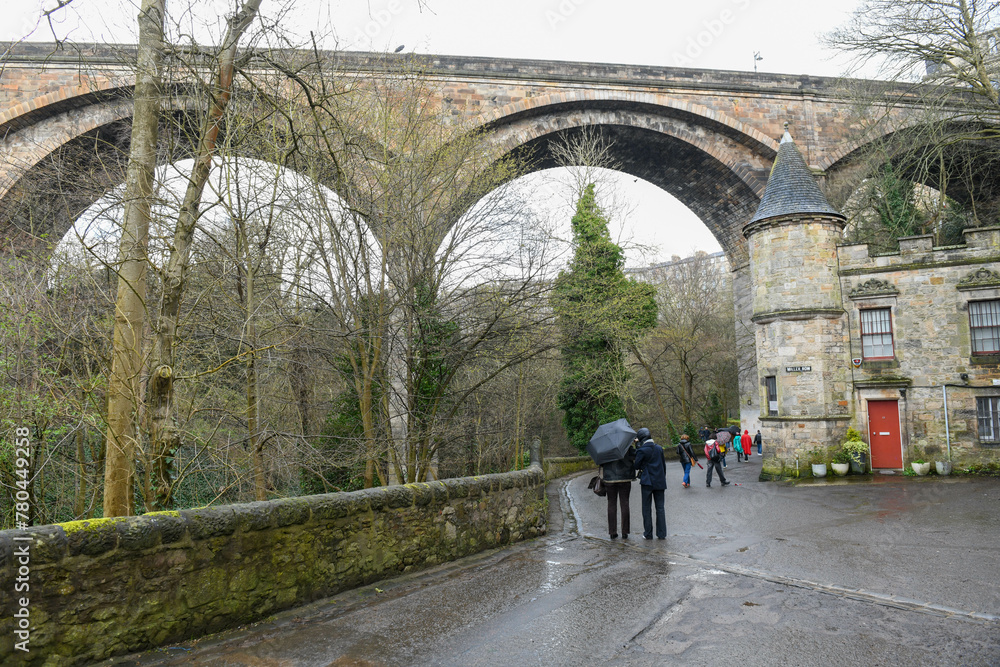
(904, 347)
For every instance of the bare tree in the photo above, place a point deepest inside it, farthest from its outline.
(130, 307)
(691, 358)
(424, 222)
(940, 125)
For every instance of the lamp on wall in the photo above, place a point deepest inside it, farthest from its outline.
(749, 401)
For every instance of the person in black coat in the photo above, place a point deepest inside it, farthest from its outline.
(652, 482)
(617, 477)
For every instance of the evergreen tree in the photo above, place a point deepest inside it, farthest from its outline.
(600, 312)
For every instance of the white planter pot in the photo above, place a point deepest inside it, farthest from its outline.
(819, 469)
(943, 467)
(921, 468)
(840, 469)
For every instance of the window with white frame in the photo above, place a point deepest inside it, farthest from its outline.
(984, 324)
(988, 416)
(876, 333)
(771, 386)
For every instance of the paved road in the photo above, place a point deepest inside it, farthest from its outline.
(898, 571)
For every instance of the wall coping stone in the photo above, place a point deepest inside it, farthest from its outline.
(94, 537)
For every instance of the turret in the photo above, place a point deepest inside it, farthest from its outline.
(801, 326)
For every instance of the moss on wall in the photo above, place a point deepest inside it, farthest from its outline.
(566, 465)
(109, 586)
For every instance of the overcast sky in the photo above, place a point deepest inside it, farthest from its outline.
(715, 34)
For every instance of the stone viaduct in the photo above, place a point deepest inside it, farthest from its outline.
(707, 137)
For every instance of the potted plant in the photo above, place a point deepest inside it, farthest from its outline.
(841, 463)
(857, 450)
(818, 464)
(918, 464)
(941, 465)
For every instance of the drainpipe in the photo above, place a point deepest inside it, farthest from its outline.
(947, 431)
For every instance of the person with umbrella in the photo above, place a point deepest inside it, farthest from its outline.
(653, 483)
(722, 438)
(611, 448)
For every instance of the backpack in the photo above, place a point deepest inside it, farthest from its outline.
(713, 452)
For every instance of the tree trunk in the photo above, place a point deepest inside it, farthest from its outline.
(130, 305)
(163, 435)
(652, 382)
(253, 424)
(80, 499)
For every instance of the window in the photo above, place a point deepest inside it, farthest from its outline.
(771, 384)
(984, 321)
(988, 414)
(876, 333)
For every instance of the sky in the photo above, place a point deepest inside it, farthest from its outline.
(713, 34)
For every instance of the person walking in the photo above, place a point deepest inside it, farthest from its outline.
(738, 447)
(747, 443)
(704, 433)
(652, 483)
(618, 476)
(714, 460)
(757, 441)
(722, 437)
(686, 456)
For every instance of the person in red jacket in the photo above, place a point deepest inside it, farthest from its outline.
(747, 443)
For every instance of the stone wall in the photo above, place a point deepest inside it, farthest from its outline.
(559, 466)
(110, 586)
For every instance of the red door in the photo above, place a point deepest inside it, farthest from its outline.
(883, 429)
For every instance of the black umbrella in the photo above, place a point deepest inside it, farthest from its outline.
(611, 442)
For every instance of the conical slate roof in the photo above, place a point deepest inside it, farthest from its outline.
(791, 187)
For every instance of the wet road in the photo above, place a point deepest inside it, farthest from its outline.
(899, 571)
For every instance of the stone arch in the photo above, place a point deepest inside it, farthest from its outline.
(62, 99)
(844, 167)
(714, 169)
(699, 114)
(70, 153)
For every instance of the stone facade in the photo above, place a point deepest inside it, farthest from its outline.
(109, 586)
(928, 291)
(815, 379)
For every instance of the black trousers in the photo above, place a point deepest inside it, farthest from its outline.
(717, 467)
(654, 497)
(618, 493)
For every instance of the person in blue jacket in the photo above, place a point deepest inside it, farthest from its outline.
(652, 482)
